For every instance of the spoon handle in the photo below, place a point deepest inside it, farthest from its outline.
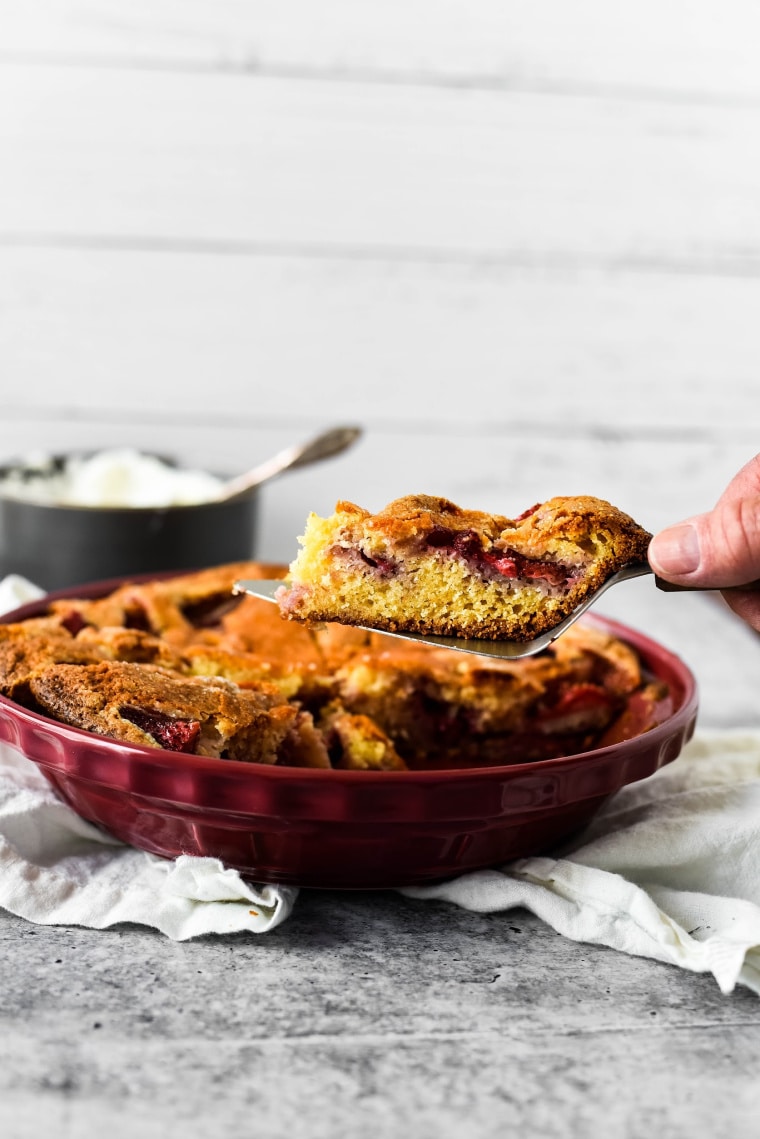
(323, 446)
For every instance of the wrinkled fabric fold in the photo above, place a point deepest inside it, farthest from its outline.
(57, 869)
(668, 869)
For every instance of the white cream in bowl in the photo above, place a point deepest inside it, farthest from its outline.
(112, 478)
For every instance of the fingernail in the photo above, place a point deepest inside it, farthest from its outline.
(676, 550)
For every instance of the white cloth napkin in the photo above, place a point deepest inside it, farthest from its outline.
(57, 869)
(16, 591)
(668, 869)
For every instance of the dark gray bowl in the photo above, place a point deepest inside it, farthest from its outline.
(59, 546)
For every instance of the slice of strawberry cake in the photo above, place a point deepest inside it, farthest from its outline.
(425, 565)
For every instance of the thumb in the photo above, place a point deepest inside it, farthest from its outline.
(713, 550)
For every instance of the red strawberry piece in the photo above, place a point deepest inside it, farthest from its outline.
(74, 622)
(173, 734)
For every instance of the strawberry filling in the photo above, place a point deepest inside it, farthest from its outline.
(175, 735)
(210, 611)
(74, 622)
(507, 563)
(527, 513)
(582, 707)
(136, 617)
(354, 556)
(644, 710)
(385, 567)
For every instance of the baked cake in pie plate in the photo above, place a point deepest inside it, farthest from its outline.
(183, 719)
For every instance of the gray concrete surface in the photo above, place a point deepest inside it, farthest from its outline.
(366, 1015)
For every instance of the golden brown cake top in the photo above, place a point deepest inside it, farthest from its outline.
(564, 517)
(420, 513)
(122, 683)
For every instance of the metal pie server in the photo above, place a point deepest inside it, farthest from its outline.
(499, 650)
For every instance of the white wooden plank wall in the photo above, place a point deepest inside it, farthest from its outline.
(518, 242)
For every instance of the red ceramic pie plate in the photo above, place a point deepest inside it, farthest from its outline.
(343, 829)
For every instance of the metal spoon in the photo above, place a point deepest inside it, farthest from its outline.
(501, 650)
(323, 446)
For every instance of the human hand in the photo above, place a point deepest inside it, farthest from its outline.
(720, 548)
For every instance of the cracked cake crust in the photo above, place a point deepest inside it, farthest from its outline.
(425, 565)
